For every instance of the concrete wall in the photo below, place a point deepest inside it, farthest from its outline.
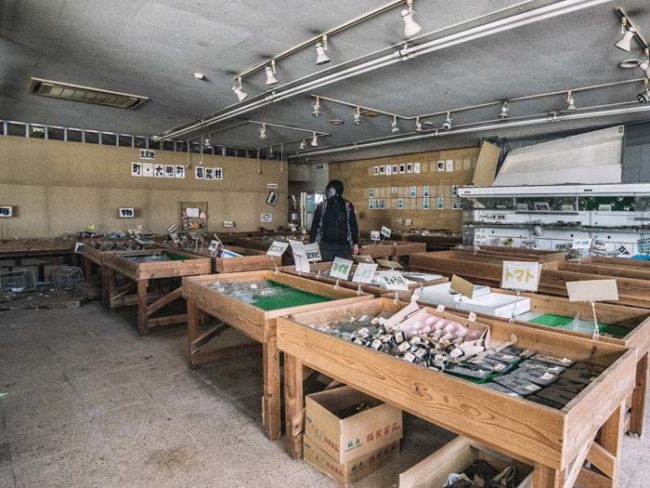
(59, 187)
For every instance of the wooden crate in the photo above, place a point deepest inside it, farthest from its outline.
(391, 249)
(256, 323)
(434, 242)
(555, 442)
(36, 247)
(618, 267)
(487, 270)
(377, 291)
(141, 275)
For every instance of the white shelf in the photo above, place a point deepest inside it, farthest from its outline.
(556, 190)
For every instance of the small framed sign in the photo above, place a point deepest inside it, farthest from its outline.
(341, 268)
(521, 275)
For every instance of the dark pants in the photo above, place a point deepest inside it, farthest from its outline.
(330, 251)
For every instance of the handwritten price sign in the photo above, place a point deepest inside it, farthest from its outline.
(364, 272)
(340, 268)
(394, 281)
(277, 248)
(313, 252)
(521, 275)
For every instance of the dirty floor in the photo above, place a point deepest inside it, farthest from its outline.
(89, 403)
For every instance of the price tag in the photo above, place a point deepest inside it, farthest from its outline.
(340, 268)
(385, 231)
(521, 275)
(297, 247)
(313, 252)
(277, 248)
(394, 281)
(213, 246)
(592, 290)
(375, 235)
(302, 264)
(471, 317)
(440, 308)
(364, 273)
(581, 244)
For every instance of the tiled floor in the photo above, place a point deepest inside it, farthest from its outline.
(89, 403)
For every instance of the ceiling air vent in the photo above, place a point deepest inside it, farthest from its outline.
(66, 91)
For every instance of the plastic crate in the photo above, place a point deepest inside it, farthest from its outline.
(66, 276)
(17, 281)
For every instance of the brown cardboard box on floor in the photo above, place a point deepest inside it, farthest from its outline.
(351, 471)
(333, 426)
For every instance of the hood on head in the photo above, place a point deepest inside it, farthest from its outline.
(337, 185)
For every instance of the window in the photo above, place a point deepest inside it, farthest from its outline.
(75, 135)
(109, 139)
(91, 137)
(125, 141)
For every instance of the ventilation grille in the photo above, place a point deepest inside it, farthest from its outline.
(77, 93)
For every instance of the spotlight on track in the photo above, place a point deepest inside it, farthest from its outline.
(315, 111)
(625, 43)
(302, 145)
(448, 123)
(263, 132)
(505, 111)
(570, 101)
(239, 91)
(314, 140)
(270, 73)
(418, 125)
(394, 128)
(321, 51)
(411, 27)
(357, 120)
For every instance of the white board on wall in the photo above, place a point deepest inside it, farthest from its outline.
(591, 158)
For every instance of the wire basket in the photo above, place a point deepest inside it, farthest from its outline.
(66, 276)
(644, 244)
(17, 281)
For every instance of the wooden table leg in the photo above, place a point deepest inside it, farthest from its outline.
(271, 402)
(611, 439)
(639, 397)
(108, 289)
(546, 477)
(143, 326)
(193, 329)
(294, 404)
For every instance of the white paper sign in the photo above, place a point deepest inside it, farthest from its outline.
(385, 231)
(147, 154)
(340, 268)
(297, 248)
(136, 168)
(394, 281)
(302, 264)
(277, 248)
(581, 244)
(213, 246)
(375, 235)
(147, 170)
(313, 252)
(192, 212)
(180, 171)
(592, 290)
(266, 217)
(364, 272)
(521, 275)
(229, 224)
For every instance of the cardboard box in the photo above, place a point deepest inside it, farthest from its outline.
(350, 471)
(345, 439)
(456, 457)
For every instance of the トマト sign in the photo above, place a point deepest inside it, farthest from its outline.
(521, 275)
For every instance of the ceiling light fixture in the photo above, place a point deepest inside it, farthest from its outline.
(321, 51)
(302, 146)
(448, 123)
(625, 43)
(394, 128)
(263, 132)
(270, 153)
(270, 73)
(315, 112)
(570, 101)
(237, 88)
(314, 140)
(644, 63)
(418, 125)
(505, 111)
(411, 27)
(200, 76)
(357, 117)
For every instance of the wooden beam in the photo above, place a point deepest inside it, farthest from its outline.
(271, 402)
(167, 299)
(294, 404)
(546, 477)
(602, 459)
(639, 397)
(167, 320)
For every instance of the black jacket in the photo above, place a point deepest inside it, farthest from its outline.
(337, 225)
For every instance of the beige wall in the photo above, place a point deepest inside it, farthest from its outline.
(357, 176)
(59, 187)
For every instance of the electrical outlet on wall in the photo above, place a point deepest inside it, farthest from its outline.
(6, 211)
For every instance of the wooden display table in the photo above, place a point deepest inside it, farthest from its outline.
(515, 253)
(636, 321)
(488, 270)
(555, 442)
(142, 273)
(391, 249)
(18, 249)
(434, 242)
(619, 267)
(366, 288)
(251, 260)
(255, 322)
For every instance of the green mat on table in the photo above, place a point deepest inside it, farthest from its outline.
(561, 322)
(288, 297)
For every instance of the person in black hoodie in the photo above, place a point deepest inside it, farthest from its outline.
(334, 227)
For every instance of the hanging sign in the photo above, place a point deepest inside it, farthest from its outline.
(521, 275)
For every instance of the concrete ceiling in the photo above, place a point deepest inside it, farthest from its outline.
(152, 48)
